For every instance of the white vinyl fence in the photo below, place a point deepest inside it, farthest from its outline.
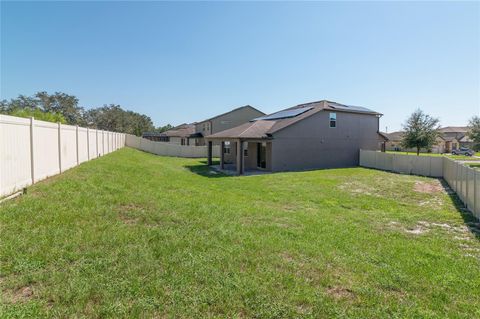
(167, 149)
(464, 180)
(32, 150)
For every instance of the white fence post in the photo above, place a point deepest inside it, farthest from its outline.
(88, 143)
(60, 146)
(466, 187)
(475, 188)
(96, 142)
(76, 141)
(32, 149)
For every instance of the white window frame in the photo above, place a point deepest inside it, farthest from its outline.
(332, 118)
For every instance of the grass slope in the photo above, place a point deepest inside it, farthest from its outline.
(136, 235)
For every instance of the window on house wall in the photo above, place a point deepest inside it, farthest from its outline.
(226, 148)
(182, 141)
(333, 120)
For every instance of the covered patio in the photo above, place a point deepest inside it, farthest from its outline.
(242, 156)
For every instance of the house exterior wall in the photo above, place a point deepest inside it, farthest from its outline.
(227, 121)
(311, 143)
(251, 159)
(229, 158)
(439, 147)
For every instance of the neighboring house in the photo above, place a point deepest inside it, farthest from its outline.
(394, 143)
(455, 137)
(194, 134)
(321, 134)
(450, 138)
(153, 136)
(183, 134)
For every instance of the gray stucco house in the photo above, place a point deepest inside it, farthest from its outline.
(194, 133)
(314, 135)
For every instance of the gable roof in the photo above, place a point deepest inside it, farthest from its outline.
(231, 111)
(395, 136)
(384, 136)
(182, 130)
(265, 126)
(453, 129)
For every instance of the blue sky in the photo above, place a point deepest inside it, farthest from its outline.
(187, 61)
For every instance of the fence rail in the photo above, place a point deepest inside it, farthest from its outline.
(464, 180)
(32, 150)
(167, 149)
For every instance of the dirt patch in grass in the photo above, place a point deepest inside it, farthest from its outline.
(338, 292)
(126, 212)
(128, 220)
(424, 226)
(357, 187)
(130, 207)
(424, 187)
(19, 295)
(462, 234)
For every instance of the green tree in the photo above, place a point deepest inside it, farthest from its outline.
(112, 117)
(420, 131)
(57, 103)
(474, 132)
(164, 128)
(39, 115)
(62, 103)
(62, 107)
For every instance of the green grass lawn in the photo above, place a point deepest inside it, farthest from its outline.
(136, 235)
(454, 157)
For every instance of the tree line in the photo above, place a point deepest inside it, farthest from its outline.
(421, 131)
(65, 108)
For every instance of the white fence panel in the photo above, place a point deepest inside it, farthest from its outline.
(167, 149)
(92, 144)
(101, 143)
(477, 194)
(45, 146)
(367, 159)
(436, 166)
(15, 156)
(68, 147)
(33, 150)
(470, 200)
(82, 145)
(110, 142)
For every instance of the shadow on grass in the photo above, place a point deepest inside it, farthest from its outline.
(471, 222)
(205, 170)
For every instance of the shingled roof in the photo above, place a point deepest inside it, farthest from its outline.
(182, 130)
(231, 111)
(264, 126)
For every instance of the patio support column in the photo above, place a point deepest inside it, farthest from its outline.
(209, 157)
(222, 155)
(239, 157)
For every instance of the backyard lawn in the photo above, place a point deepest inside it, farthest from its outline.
(137, 235)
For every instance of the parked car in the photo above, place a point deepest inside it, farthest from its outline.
(463, 151)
